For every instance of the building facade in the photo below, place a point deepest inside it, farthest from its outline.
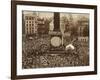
(83, 24)
(83, 39)
(30, 21)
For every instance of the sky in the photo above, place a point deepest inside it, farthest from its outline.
(50, 14)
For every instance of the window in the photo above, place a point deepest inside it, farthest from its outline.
(26, 24)
(26, 17)
(30, 18)
(29, 24)
(32, 24)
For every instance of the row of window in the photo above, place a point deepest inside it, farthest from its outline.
(30, 28)
(29, 18)
(30, 32)
(30, 24)
(84, 40)
(27, 21)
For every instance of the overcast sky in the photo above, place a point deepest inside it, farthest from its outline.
(50, 14)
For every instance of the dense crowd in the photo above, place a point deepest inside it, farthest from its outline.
(36, 54)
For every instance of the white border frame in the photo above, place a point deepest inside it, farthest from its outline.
(21, 71)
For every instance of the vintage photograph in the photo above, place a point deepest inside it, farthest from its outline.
(54, 39)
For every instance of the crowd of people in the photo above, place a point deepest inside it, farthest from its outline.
(36, 54)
